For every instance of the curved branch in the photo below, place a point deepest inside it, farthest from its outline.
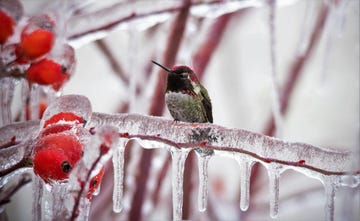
(154, 131)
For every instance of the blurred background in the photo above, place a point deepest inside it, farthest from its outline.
(243, 51)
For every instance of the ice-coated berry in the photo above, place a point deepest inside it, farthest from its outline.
(94, 183)
(6, 26)
(35, 44)
(64, 143)
(52, 165)
(47, 72)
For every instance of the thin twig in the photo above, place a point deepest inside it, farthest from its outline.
(112, 60)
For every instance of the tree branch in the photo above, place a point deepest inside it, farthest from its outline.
(152, 131)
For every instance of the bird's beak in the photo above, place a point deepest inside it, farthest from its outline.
(163, 67)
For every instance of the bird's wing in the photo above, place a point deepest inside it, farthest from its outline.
(206, 104)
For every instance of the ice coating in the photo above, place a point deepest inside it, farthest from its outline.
(118, 164)
(12, 155)
(203, 181)
(220, 8)
(178, 163)
(77, 104)
(21, 131)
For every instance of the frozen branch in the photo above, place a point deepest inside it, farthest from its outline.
(97, 24)
(153, 131)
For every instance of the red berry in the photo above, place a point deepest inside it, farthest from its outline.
(301, 162)
(94, 183)
(203, 143)
(64, 143)
(47, 72)
(6, 26)
(64, 116)
(36, 43)
(52, 165)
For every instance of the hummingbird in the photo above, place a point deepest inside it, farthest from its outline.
(186, 98)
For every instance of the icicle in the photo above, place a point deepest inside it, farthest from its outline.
(34, 102)
(57, 196)
(6, 95)
(330, 185)
(25, 94)
(245, 173)
(37, 196)
(274, 177)
(84, 209)
(203, 181)
(178, 162)
(118, 163)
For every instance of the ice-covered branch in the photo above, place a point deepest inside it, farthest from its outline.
(144, 14)
(152, 131)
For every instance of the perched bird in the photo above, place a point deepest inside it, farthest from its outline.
(186, 99)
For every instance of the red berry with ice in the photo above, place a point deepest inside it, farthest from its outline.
(64, 142)
(94, 183)
(37, 38)
(52, 165)
(47, 72)
(35, 44)
(6, 26)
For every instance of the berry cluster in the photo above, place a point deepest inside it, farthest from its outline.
(58, 149)
(30, 46)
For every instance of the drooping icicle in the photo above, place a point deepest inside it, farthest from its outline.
(330, 185)
(245, 173)
(34, 101)
(25, 94)
(118, 164)
(84, 209)
(58, 196)
(37, 196)
(178, 163)
(6, 95)
(203, 181)
(274, 177)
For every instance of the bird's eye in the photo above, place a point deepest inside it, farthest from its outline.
(184, 75)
